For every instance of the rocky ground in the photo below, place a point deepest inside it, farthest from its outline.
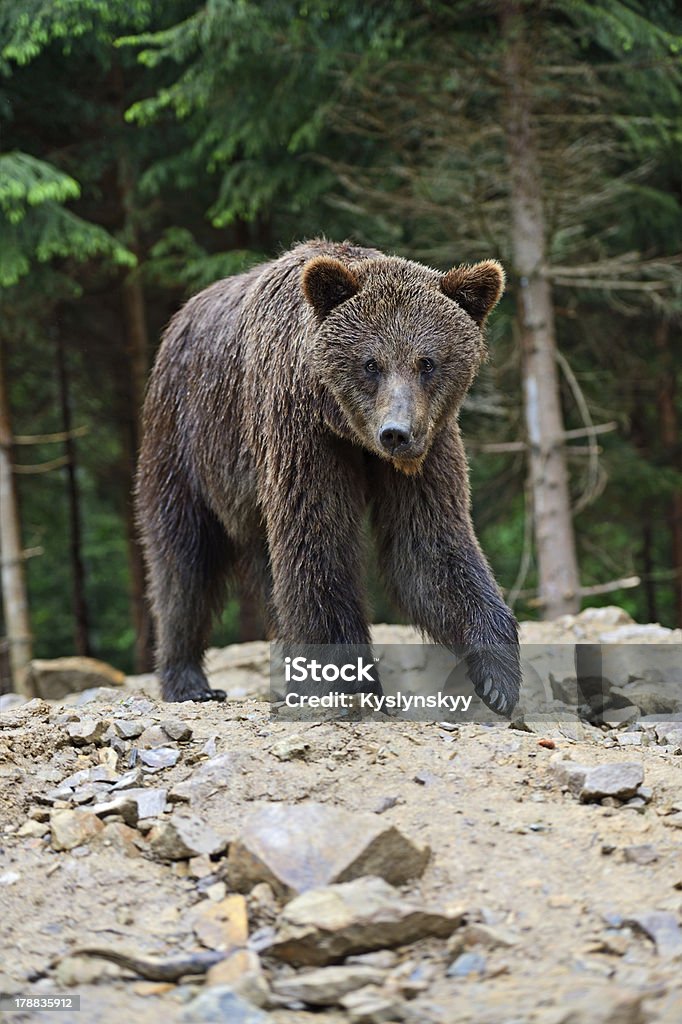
(247, 869)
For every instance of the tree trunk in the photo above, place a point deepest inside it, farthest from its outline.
(670, 438)
(553, 525)
(15, 604)
(80, 608)
(137, 347)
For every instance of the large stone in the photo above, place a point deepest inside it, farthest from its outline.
(324, 925)
(326, 985)
(594, 783)
(616, 780)
(57, 677)
(296, 847)
(73, 828)
(183, 837)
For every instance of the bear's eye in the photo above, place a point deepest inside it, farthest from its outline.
(372, 367)
(426, 366)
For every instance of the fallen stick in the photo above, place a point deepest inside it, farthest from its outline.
(157, 970)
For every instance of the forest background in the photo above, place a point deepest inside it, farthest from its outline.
(149, 147)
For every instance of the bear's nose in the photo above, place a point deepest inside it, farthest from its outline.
(394, 437)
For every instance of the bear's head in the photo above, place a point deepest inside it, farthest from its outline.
(396, 346)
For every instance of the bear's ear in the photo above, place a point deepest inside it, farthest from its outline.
(326, 283)
(476, 289)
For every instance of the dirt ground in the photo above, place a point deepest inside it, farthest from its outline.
(558, 887)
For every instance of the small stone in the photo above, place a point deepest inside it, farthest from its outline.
(216, 892)
(489, 937)
(86, 730)
(221, 1003)
(224, 925)
(73, 828)
(371, 1006)
(290, 748)
(184, 837)
(129, 780)
(39, 814)
(569, 775)
(643, 854)
(73, 971)
(243, 973)
(159, 757)
(646, 793)
(466, 964)
(176, 729)
(663, 928)
(151, 803)
(560, 901)
(153, 736)
(9, 877)
(121, 805)
(387, 803)
(636, 804)
(152, 988)
(200, 867)
(33, 829)
(673, 820)
(327, 985)
(120, 837)
(383, 959)
(616, 945)
(128, 729)
(324, 925)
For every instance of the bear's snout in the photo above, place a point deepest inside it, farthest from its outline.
(394, 437)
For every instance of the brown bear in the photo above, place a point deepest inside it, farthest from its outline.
(284, 403)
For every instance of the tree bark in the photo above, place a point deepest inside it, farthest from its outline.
(80, 608)
(137, 348)
(14, 598)
(553, 524)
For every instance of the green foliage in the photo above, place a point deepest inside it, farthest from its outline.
(34, 224)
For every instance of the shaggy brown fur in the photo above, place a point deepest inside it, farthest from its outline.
(284, 402)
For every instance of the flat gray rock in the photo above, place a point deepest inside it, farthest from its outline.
(327, 985)
(297, 847)
(184, 837)
(620, 781)
(325, 925)
(617, 780)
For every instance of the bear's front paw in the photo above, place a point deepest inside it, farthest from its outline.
(496, 676)
(188, 684)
